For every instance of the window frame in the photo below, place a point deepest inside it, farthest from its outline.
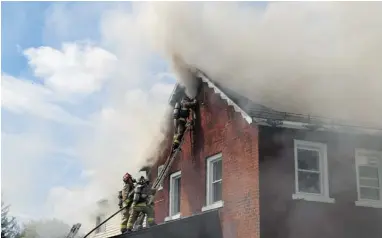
(159, 169)
(321, 148)
(357, 156)
(173, 177)
(209, 173)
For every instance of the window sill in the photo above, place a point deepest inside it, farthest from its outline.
(213, 206)
(374, 204)
(312, 198)
(174, 217)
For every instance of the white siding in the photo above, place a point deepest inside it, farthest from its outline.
(112, 227)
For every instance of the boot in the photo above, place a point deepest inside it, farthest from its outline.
(175, 146)
(128, 231)
(123, 230)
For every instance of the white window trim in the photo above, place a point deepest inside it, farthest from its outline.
(209, 205)
(161, 185)
(366, 202)
(322, 148)
(212, 206)
(169, 218)
(172, 177)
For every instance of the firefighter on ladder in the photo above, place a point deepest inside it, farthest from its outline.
(181, 114)
(125, 199)
(142, 195)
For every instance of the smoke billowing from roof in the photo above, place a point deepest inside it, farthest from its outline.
(184, 75)
(311, 58)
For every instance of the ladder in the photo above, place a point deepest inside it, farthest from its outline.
(164, 173)
(169, 161)
(73, 232)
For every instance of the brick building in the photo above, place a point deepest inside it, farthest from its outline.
(256, 172)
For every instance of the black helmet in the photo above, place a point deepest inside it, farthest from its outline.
(187, 98)
(143, 180)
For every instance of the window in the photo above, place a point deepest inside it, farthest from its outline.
(369, 177)
(214, 182)
(311, 171)
(99, 220)
(174, 195)
(160, 168)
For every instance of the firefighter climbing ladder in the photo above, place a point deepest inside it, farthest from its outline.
(156, 183)
(169, 162)
(166, 168)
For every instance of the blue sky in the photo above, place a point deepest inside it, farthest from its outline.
(16, 33)
(28, 25)
(70, 82)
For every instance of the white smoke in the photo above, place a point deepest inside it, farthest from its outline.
(303, 57)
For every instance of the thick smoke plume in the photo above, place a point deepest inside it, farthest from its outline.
(311, 58)
(184, 75)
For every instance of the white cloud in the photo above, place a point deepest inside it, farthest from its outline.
(77, 68)
(26, 97)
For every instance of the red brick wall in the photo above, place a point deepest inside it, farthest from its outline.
(219, 130)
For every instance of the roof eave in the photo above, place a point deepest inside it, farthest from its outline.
(316, 127)
(230, 102)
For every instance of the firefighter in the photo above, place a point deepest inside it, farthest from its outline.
(142, 195)
(181, 114)
(125, 199)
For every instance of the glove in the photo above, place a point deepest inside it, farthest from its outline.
(120, 204)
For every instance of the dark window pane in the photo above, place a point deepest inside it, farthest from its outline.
(308, 160)
(369, 182)
(217, 170)
(369, 193)
(217, 191)
(309, 182)
(368, 172)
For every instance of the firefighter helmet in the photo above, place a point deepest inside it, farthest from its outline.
(187, 98)
(126, 177)
(143, 180)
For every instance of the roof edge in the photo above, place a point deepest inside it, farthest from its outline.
(317, 127)
(229, 101)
